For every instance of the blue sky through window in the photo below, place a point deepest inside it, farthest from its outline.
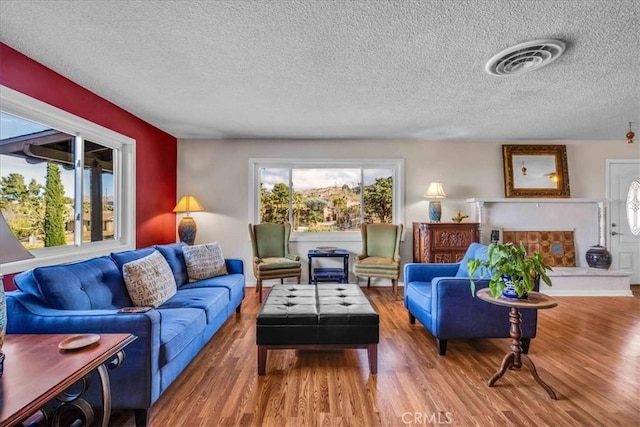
(11, 126)
(306, 179)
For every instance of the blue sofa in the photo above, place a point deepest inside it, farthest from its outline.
(84, 297)
(439, 296)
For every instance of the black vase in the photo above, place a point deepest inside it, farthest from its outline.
(598, 257)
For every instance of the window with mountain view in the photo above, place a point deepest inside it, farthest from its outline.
(328, 199)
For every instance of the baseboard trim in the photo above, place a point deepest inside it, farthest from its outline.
(587, 293)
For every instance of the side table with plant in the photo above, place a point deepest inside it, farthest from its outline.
(505, 263)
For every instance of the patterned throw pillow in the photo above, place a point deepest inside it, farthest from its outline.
(204, 261)
(149, 280)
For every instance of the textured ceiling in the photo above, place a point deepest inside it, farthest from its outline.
(344, 69)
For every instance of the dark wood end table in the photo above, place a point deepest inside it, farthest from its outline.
(36, 371)
(516, 358)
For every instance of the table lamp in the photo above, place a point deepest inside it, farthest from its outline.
(187, 228)
(435, 191)
(11, 250)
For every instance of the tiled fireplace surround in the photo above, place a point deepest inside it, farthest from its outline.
(585, 217)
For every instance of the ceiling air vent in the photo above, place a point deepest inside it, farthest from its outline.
(525, 57)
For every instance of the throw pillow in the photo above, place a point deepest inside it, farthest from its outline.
(204, 261)
(149, 280)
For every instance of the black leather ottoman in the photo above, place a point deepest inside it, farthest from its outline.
(317, 317)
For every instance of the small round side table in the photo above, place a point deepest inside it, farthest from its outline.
(515, 358)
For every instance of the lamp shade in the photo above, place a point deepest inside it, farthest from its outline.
(188, 204)
(11, 250)
(435, 191)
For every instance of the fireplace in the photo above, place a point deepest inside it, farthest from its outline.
(584, 217)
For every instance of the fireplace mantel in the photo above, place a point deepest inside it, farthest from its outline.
(601, 203)
(536, 200)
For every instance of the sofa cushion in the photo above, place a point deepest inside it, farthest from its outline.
(213, 300)
(85, 285)
(268, 264)
(420, 293)
(234, 283)
(178, 328)
(174, 256)
(474, 251)
(204, 261)
(378, 263)
(149, 280)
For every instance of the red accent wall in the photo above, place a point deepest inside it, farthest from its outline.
(156, 150)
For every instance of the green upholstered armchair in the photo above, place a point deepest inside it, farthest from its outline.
(271, 257)
(380, 255)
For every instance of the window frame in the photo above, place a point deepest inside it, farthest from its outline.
(395, 164)
(26, 107)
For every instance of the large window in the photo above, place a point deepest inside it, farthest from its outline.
(66, 184)
(322, 196)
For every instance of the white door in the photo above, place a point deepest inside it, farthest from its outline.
(624, 215)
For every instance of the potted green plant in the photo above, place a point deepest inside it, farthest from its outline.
(507, 263)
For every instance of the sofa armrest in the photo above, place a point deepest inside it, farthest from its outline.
(426, 272)
(234, 265)
(132, 382)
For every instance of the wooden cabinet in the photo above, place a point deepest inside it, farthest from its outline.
(442, 242)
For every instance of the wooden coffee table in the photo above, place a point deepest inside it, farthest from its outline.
(36, 371)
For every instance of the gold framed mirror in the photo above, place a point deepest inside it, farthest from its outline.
(535, 171)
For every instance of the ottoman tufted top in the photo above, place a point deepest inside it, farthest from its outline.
(323, 304)
(344, 304)
(289, 304)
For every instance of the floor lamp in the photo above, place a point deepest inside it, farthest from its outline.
(11, 250)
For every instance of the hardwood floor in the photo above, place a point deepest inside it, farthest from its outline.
(587, 349)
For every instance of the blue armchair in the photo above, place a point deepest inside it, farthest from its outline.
(439, 296)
